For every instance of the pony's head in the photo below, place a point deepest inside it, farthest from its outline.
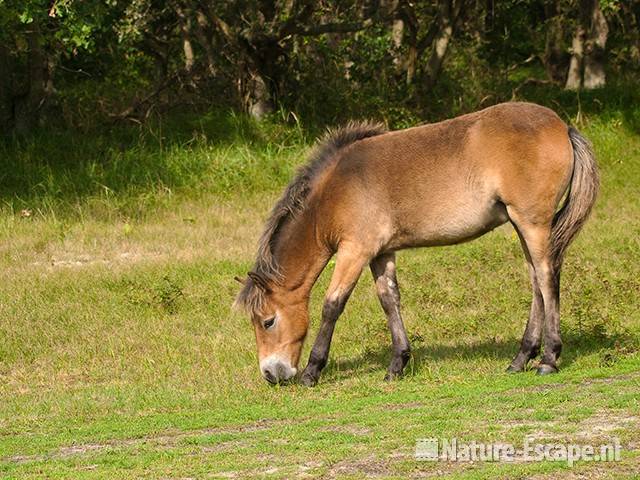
(280, 316)
(280, 322)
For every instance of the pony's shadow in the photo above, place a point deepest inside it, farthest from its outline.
(575, 344)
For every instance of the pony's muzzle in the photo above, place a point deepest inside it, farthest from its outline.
(276, 370)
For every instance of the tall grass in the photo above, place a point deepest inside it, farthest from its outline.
(126, 170)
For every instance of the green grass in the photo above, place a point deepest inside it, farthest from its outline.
(120, 356)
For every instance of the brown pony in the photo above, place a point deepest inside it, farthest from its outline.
(367, 192)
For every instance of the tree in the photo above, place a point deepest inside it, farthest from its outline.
(556, 57)
(35, 36)
(258, 37)
(445, 17)
(586, 68)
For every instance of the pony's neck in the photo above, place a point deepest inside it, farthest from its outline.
(299, 254)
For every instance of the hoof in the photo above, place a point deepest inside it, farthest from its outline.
(308, 380)
(512, 369)
(545, 369)
(391, 376)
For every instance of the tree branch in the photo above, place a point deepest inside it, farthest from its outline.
(315, 30)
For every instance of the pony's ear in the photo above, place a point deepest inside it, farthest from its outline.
(241, 281)
(259, 281)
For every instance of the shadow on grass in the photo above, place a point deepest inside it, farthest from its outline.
(176, 151)
(616, 101)
(218, 150)
(576, 344)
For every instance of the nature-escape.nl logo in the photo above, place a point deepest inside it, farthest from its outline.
(453, 450)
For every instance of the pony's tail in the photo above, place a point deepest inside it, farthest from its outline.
(580, 198)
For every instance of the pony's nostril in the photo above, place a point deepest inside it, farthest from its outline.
(269, 376)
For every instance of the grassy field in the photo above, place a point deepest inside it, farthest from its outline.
(120, 356)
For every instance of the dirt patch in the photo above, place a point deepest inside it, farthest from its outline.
(306, 469)
(599, 427)
(250, 427)
(169, 439)
(401, 406)
(84, 260)
(605, 424)
(228, 474)
(439, 469)
(79, 450)
(595, 472)
(350, 429)
(224, 446)
(370, 466)
(584, 383)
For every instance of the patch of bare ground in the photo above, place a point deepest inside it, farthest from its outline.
(584, 383)
(64, 260)
(350, 429)
(370, 466)
(610, 380)
(606, 423)
(596, 471)
(439, 469)
(168, 439)
(401, 406)
(600, 427)
(224, 446)
(306, 470)
(227, 474)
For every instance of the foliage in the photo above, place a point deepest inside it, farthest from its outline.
(93, 62)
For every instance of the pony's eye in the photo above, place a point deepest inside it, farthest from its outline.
(269, 323)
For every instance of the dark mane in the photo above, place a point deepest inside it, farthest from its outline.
(293, 201)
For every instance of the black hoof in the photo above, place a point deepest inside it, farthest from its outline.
(308, 380)
(513, 369)
(545, 369)
(391, 376)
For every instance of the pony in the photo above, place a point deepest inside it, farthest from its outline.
(367, 192)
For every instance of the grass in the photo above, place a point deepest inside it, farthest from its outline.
(120, 356)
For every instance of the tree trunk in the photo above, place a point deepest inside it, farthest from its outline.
(489, 17)
(446, 20)
(397, 32)
(594, 76)
(555, 58)
(185, 31)
(630, 17)
(405, 31)
(159, 51)
(39, 84)
(437, 55)
(6, 93)
(588, 48)
(201, 29)
(264, 76)
(574, 77)
(258, 102)
(188, 53)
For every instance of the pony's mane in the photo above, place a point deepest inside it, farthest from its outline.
(294, 201)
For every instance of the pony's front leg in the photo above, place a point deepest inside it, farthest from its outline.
(383, 268)
(349, 265)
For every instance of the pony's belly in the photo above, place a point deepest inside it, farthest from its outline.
(451, 227)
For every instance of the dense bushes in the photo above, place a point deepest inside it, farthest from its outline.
(81, 64)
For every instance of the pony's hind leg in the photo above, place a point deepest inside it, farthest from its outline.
(383, 268)
(532, 337)
(537, 237)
